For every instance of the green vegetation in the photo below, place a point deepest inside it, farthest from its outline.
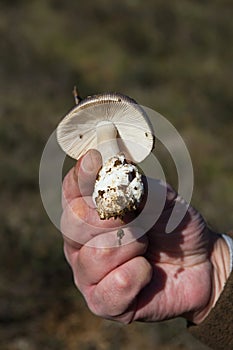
(174, 57)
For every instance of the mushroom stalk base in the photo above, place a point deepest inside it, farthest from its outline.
(118, 188)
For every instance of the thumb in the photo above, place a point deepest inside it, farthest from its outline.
(85, 172)
(80, 180)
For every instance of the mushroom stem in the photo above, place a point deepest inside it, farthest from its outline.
(107, 140)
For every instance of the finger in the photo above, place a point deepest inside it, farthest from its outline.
(114, 294)
(69, 188)
(86, 170)
(93, 264)
(80, 221)
(71, 250)
(81, 179)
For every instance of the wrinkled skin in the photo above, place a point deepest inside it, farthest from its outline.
(157, 277)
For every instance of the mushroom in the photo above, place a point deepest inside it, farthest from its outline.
(119, 129)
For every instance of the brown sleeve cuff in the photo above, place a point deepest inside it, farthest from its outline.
(216, 331)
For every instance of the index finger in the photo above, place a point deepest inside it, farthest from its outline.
(80, 180)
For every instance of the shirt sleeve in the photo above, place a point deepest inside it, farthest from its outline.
(216, 331)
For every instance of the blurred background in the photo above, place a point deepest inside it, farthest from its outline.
(174, 57)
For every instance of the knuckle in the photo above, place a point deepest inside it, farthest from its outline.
(95, 305)
(101, 254)
(92, 256)
(122, 280)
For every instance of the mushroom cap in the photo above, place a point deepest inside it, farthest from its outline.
(76, 133)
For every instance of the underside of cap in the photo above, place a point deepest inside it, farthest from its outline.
(76, 133)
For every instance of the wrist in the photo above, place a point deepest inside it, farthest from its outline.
(220, 259)
(221, 262)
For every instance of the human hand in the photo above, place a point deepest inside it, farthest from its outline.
(156, 277)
